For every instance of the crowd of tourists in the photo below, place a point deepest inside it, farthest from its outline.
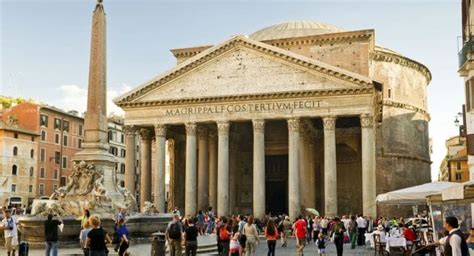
(240, 235)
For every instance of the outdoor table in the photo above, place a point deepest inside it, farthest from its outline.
(369, 239)
(395, 242)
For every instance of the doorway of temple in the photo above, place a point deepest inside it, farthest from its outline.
(276, 184)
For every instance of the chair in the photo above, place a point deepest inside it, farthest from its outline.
(379, 246)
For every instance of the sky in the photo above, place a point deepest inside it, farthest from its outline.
(44, 44)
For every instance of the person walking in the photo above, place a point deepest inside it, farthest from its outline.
(321, 243)
(251, 233)
(338, 232)
(352, 228)
(234, 247)
(285, 231)
(51, 235)
(242, 237)
(123, 236)
(224, 236)
(82, 240)
(96, 238)
(316, 228)
(455, 244)
(361, 226)
(309, 226)
(190, 239)
(324, 225)
(272, 236)
(174, 235)
(211, 221)
(300, 232)
(200, 222)
(10, 232)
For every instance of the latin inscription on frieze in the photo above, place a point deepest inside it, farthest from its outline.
(244, 108)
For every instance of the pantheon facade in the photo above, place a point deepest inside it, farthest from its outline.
(296, 115)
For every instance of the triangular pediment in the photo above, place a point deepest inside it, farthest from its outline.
(241, 66)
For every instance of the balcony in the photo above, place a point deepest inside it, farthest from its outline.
(467, 53)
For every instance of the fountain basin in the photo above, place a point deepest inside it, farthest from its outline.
(140, 228)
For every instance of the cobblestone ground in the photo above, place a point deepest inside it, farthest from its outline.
(144, 249)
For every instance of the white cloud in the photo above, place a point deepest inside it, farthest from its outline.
(74, 97)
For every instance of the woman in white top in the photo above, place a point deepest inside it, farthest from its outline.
(250, 231)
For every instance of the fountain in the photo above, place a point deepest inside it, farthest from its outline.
(93, 183)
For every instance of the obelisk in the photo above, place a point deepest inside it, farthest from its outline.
(95, 146)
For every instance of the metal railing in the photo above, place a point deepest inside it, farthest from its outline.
(466, 53)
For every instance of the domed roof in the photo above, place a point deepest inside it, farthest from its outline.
(294, 29)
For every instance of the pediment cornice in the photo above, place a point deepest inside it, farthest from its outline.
(241, 41)
(251, 97)
(401, 60)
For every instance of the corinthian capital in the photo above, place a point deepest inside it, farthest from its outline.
(160, 130)
(258, 125)
(329, 122)
(366, 121)
(129, 130)
(145, 133)
(294, 125)
(191, 128)
(203, 132)
(223, 127)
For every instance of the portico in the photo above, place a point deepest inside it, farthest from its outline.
(225, 129)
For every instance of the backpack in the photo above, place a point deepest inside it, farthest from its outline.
(280, 227)
(175, 231)
(224, 234)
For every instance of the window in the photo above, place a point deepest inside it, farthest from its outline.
(458, 166)
(14, 170)
(32, 153)
(41, 189)
(57, 157)
(56, 174)
(122, 183)
(32, 171)
(42, 173)
(113, 151)
(15, 135)
(55, 187)
(42, 155)
(389, 93)
(79, 143)
(64, 162)
(122, 138)
(57, 123)
(80, 129)
(65, 140)
(56, 138)
(110, 135)
(122, 168)
(33, 138)
(122, 152)
(66, 126)
(44, 120)
(15, 151)
(30, 189)
(43, 135)
(458, 176)
(62, 182)
(13, 187)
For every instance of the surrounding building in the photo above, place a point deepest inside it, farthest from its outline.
(116, 136)
(60, 137)
(454, 167)
(299, 114)
(466, 70)
(18, 162)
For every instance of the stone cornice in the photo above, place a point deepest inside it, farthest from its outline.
(323, 39)
(378, 55)
(245, 97)
(218, 50)
(396, 104)
(189, 52)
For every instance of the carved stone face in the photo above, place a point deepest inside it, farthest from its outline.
(82, 164)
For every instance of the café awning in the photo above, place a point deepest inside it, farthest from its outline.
(413, 195)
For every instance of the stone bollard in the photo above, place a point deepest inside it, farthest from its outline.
(158, 244)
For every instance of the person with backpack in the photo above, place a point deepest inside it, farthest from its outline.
(224, 237)
(284, 228)
(242, 237)
(174, 235)
(8, 225)
(338, 230)
(455, 243)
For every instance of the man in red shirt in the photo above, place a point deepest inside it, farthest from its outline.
(300, 232)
